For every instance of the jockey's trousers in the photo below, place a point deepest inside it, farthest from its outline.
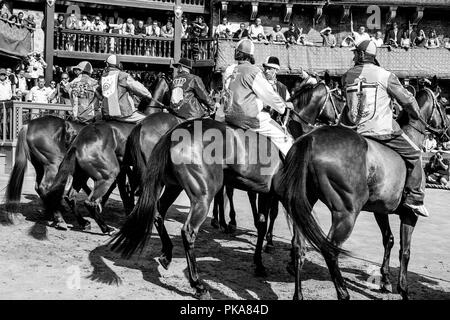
(269, 128)
(414, 191)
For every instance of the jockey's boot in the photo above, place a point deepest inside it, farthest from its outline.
(419, 210)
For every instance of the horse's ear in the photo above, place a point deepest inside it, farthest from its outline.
(434, 82)
(327, 78)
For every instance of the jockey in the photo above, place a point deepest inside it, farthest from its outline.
(271, 67)
(189, 93)
(116, 87)
(82, 92)
(369, 90)
(250, 91)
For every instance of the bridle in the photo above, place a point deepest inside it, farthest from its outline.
(440, 133)
(330, 93)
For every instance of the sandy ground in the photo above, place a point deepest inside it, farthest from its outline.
(40, 262)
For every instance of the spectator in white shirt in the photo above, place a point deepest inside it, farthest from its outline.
(302, 40)
(405, 42)
(154, 30)
(98, 25)
(128, 27)
(40, 93)
(185, 29)
(256, 29)
(277, 36)
(22, 87)
(348, 41)
(167, 30)
(5, 86)
(433, 40)
(359, 36)
(85, 25)
(223, 30)
(378, 39)
(429, 143)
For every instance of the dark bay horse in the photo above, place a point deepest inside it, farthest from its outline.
(43, 141)
(181, 165)
(97, 153)
(349, 173)
(307, 102)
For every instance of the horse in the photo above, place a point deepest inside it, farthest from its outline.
(350, 173)
(97, 153)
(43, 141)
(306, 101)
(177, 166)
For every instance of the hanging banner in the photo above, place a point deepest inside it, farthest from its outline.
(15, 40)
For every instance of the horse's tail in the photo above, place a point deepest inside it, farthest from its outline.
(136, 231)
(15, 183)
(295, 182)
(133, 157)
(63, 180)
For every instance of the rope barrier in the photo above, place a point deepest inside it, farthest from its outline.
(437, 186)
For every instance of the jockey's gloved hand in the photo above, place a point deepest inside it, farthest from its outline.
(289, 105)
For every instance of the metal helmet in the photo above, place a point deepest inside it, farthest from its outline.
(85, 67)
(246, 46)
(113, 60)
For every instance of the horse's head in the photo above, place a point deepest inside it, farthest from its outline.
(433, 112)
(318, 104)
(161, 96)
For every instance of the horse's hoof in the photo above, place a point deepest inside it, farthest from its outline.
(215, 224)
(260, 272)
(386, 288)
(203, 295)
(290, 269)
(270, 248)
(164, 261)
(86, 226)
(231, 228)
(111, 231)
(60, 226)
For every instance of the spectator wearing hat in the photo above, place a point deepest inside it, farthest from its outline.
(242, 32)
(271, 68)
(256, 29)
(6, 92)
(293, 33)
(329, 40)
(348, 41)
(277, 36)
(189, 95)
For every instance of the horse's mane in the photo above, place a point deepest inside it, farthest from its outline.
(304, 95)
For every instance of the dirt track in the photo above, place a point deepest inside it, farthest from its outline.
(39, 262)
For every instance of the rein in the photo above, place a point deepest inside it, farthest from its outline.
(441, 133)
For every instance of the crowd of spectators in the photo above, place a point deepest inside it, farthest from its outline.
(394, 37)
(19, 20)
(117, 25)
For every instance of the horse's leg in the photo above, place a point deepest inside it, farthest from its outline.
(196, 216)
(232, 224)
(341, 228)
(298, 250)
(270, 248)
(79, 182)
(408, 222)
(93, 203)
(169, 196)
(260, 220)
(125, 192)
(388, 242)
(218, 201)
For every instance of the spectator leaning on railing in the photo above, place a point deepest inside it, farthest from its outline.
(167, 31)
(84, 24)
(128, 27)
(421, 40)
(393, 36)
(154, 30)
(433, 41)
(242, 32)
(60, 22)
(359, 36)
(22, 86)
(223, 30)
(378, 39)
(140, 28)
(98, 25)
(329, 40)
(256, 29)
(199, 28)
(302, 40)
(292, 34)
(348, 41)
(186, 29)
(405, 42)
(277, 36)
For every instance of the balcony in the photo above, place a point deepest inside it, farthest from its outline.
(202, 52)
(97, 46)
